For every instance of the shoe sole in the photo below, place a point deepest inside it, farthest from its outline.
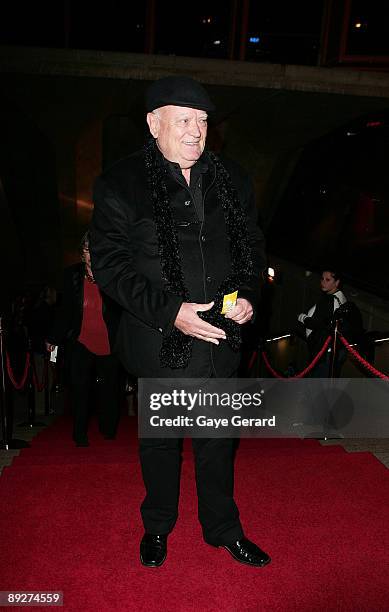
(152, 564)
(245, 562)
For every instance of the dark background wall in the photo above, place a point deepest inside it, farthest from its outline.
(58, 131)
(65, 128)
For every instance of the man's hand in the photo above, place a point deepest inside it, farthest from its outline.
(241, 312)
(190, 324)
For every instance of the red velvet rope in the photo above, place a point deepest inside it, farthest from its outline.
(361, 360)
(252, 360)
(39, 386)
(305, 371)
(16, 384)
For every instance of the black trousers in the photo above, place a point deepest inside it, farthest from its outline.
(83, 368)
(214, 468)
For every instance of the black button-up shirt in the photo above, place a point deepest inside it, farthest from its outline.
(196, 183)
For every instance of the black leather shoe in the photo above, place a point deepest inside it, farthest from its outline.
(247, 552)
(153, 550)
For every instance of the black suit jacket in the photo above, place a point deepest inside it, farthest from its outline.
(126, 262)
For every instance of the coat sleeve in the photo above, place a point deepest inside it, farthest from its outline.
(113, 262)
(252, 290)
(322, 316)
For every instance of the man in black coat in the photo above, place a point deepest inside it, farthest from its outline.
(174, 231)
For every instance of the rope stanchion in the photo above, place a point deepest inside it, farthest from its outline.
(18, 385)
(4, 443)
(303, 372)
(361, 360)
(32, 384)
(6, 412)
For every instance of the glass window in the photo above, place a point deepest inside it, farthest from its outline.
(201, 30)
(336, 208)
(368, 28)
(119, 28)
(282, 32)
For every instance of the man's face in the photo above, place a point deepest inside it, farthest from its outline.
(180, 132)
(328, 283)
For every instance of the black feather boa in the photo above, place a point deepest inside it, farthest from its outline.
(177, 347)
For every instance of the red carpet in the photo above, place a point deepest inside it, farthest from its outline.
(70, 521)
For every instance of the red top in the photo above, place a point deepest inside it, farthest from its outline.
(93, 333)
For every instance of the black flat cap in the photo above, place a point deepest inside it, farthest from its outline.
(178, 91)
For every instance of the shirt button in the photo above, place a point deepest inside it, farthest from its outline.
(203, 238)
(160, 329)
(209, 278)
(187, 202)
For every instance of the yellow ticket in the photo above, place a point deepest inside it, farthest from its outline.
(229, 301)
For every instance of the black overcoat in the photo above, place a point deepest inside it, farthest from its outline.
(126, 262)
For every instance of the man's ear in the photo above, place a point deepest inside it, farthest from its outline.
(153, 123)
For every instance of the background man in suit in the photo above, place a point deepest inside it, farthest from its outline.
(79, 327)
(173, 231)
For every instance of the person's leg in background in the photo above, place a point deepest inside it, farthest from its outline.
(82, 367)
(108, 369)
